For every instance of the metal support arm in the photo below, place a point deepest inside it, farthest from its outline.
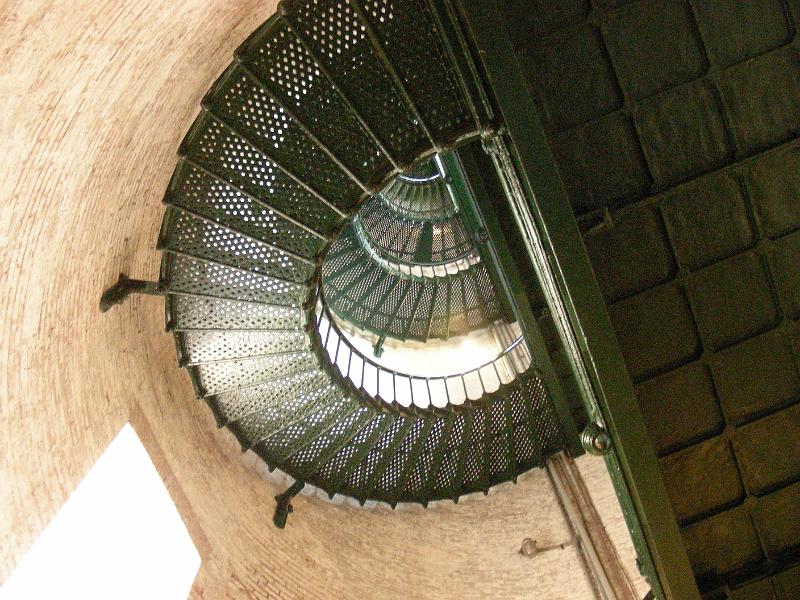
(283, 506)
(125, 286)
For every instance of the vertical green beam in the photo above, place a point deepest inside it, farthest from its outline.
(424, 245)
(547, 224)
(462, 197)
(479, 216)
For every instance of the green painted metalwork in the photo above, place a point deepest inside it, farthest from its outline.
(258, 220)
(283, 504)
(125, 286)
(366, 290)
(555, 246)
(479, 210)
(419, 198)
(402, 240)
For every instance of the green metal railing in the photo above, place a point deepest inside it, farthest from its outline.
(412, 390)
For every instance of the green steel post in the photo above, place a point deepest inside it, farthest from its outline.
(496, 252)
(543, 213)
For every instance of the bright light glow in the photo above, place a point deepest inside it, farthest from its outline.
(118, 536)
(431, 358)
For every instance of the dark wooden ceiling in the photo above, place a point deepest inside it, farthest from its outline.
(675, 126)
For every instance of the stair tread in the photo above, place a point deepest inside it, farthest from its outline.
(218, 377)
(211, 183)
(251, 225)
(190, 236)
(358, 295)
(209, 346)
(357, 71)
(192, 275)
(243, 108)
(201, 313)
(236, 404)
(284, 64)
(272, 420)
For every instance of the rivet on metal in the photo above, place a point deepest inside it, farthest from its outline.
(595, 439)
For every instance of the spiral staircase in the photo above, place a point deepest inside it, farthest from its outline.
(311, 198)
(370, 174)
(405, 278)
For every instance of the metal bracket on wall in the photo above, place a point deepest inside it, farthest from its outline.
(283, 504)
(125, 286)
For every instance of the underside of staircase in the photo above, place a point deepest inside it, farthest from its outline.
(308, 189)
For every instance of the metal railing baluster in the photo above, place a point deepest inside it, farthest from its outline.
(430, 395)
(508, 356)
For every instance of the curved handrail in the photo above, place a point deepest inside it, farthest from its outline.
(414, 176)
(418, 391)
(418, 180)
(391, 199)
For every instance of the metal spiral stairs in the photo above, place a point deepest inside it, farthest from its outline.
(403, 277)
(309, 193)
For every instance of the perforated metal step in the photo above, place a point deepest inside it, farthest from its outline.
(381, 299)
(410, 241)
(420, 194)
